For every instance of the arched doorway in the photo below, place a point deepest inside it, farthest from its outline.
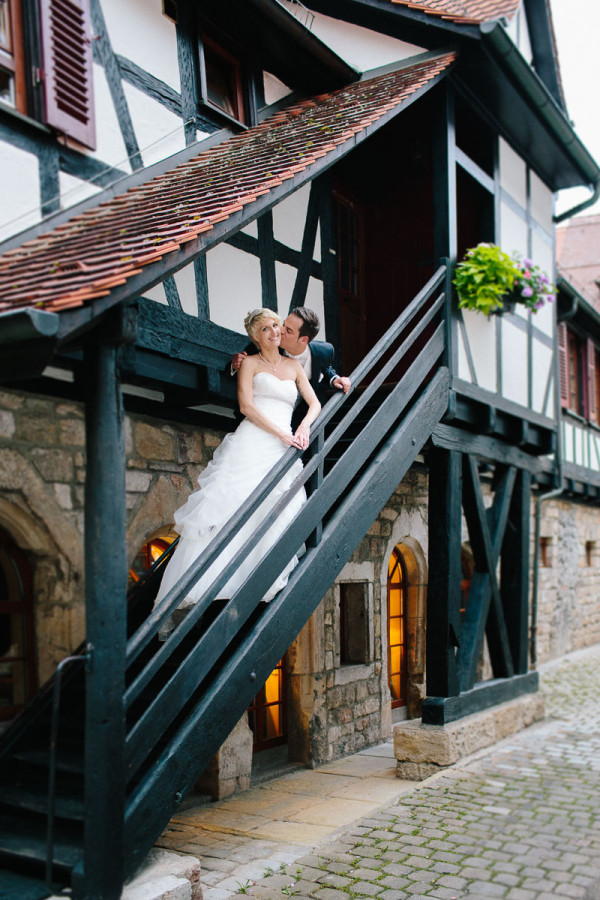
(396, 605)
(406, 625)
(18, 670)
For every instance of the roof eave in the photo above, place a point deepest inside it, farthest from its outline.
(581, 309)
(498, 45)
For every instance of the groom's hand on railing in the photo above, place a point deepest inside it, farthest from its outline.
(237, 360)
(341, 383)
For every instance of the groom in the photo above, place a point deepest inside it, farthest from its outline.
(316, 357)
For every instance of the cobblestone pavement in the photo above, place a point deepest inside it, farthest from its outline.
(519, 821)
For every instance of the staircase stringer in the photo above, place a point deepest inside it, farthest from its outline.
(158, 795)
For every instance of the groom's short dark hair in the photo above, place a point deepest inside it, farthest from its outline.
(310, 322)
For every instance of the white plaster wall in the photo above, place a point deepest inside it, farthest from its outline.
(158, 131)
(157, 293)
(139, 31)
(595, 453)
(519, 32)
(481, 332)
(286, 278)
(274, 88)
(185, 280)
(542, 202)
(19, 190)
(74, 190)
(513, 231)
(234, 286)
(541, 369)
(513, 173)
(567, 447)
(289, 217)
(514, 363)
(360, 47)
(110, 147)
(463, 365)
(579, 444)
(544, 318)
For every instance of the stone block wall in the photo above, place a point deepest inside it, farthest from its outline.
(339, 709)
(569, 583)
(42, 482)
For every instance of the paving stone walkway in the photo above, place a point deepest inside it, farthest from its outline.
(519, 821)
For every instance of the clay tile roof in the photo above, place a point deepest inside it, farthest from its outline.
(99, 250)
(464, 12)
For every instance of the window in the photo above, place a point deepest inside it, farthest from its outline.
(56, 83)
(546, 552)
(12, 64)
(222, 80)
(354, 634)
(147, 556)
(579, 374)
(590, 552)
(396, 591)
(267, 713)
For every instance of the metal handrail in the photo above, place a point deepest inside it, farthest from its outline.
(84, 657)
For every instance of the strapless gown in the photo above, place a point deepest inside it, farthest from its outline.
(239, 464)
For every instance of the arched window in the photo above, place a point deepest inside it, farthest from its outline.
(396, 594)
(148, 554)
(18, 675)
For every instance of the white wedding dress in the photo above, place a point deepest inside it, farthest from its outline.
(239, 464)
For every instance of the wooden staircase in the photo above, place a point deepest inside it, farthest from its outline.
(184, 696)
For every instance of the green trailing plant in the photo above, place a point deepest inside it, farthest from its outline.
(488, 277)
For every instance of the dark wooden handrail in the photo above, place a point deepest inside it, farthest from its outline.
(172, 599)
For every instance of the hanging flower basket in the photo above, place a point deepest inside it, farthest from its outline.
(490, 281)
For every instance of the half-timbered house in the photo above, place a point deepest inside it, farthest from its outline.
(166, 168)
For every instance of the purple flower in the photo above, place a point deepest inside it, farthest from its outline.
(527, 292)
(539, 304)
(544, 278)
(527, 263)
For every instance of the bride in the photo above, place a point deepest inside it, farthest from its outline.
(268, 388)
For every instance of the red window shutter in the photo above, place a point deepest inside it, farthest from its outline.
(67, 66)
(591, 380)
(563, 364)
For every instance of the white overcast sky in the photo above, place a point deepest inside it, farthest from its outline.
(577, 26)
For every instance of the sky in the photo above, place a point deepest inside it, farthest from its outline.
(577, 27)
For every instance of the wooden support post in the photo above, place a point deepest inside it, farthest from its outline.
(445, 229)
(106, 617)
(329, 263)
(266, 252)
(514, 573)
(443, 603)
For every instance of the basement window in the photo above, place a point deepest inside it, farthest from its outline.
(590, 552)
(354, 632)
(546, 552)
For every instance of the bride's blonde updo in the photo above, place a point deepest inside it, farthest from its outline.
(254, 320)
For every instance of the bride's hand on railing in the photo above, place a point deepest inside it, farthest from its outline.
(291, 440)
(302, 436)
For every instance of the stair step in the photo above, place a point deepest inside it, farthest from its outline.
(66, 761)
(14, 886)
(27, 797)
(23, 839)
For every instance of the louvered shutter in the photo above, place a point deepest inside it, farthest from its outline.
(67, 68)
(591, 380)
(563, 364)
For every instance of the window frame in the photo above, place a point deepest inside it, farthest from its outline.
(233, 58)
(12, 57)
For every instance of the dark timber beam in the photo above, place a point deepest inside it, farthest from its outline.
(514, 572)
(443, 592)
(106, 612)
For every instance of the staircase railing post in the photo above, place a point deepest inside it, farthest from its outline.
(315, 482)
(106, 624)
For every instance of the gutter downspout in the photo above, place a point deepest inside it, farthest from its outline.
(549, 495)
(595, 188)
